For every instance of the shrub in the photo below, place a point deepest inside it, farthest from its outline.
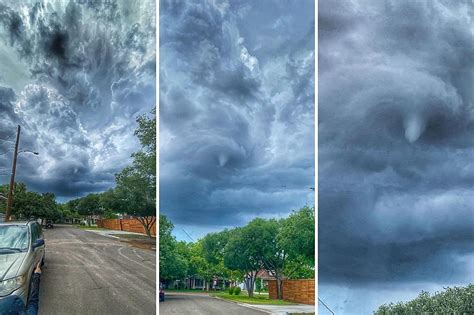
(236, 290)
(258, 285)
(231, 290)
(457, 300)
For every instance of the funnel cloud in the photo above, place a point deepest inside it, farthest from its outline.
(396, 175)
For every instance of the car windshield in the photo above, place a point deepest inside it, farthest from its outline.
(13, 238)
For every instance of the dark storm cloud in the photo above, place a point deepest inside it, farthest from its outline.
(75, 75)
(395, 142)
(236, 137)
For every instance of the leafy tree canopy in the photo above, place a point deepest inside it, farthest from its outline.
(457, 300)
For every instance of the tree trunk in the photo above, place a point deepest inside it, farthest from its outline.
(147, 223)
(249, 282)
(279, 288)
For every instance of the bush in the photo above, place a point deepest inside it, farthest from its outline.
(231, 290)
(457, 300)
(258, 284)
(236, 290)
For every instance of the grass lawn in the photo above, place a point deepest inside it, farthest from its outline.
(133, 236)
(257, 299)
(186, 290)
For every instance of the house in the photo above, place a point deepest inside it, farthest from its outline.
(263, 276)
(195, 283)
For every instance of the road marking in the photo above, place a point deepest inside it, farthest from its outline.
(145, 266)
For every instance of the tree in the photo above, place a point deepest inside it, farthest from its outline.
(89, 206)
(67, 212)
(213, 245)
(134, 189)
(271, 256)
(457, 300)
(242, 253)
(110, 203)
(173, 264)
(136, 184)
(30, 204)
(296, 239)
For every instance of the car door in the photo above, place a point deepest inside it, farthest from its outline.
(36, 235)
(41, 248)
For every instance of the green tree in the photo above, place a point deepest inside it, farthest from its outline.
(136, 184)
(110, 203)
(66, 212)
(457, 300)
(89, 206)
(296, 239)
(173, 264)
(213, 245)
(30, 204)
(271, 256)
(242, 253)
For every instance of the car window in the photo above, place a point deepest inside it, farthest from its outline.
(13, 237)
(40, 231)
(34, 233)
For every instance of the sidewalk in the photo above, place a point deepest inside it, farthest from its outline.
(282, 309)
(111, 233)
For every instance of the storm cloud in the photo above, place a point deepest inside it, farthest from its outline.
(396, 124)
(236, 111)
(74, 75)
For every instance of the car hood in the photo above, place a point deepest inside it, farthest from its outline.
(9, 264)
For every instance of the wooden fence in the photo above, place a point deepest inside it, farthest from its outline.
(129, 225)
(298, 291)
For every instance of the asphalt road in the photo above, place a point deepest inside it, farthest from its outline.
(86, 273)
(200, 304)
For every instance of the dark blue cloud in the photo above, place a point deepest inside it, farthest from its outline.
(396, 146)
(236, 111)
(75, 75)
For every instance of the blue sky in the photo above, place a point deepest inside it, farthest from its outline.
(395, 128)
(237, 112)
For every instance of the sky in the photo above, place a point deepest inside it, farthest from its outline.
(75, 75)
(396, 171)
(236, 112)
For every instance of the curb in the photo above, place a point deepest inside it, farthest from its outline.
(243, 304)
(105, 234)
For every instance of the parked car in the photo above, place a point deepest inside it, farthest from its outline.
(21, 249)
(162, 293)
(49, 224)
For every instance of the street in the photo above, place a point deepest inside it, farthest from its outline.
(86, 273)
(201, 304)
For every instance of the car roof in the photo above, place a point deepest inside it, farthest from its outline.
(16, 222)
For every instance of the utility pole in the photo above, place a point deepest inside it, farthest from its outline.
(8, 211)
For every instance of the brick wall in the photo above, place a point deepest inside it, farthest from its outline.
(129, 225)
(298, 291)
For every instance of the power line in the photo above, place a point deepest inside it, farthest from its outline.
(327, 307)
(188, 235)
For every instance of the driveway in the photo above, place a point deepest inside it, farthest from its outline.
(86, 273)
(201, 304)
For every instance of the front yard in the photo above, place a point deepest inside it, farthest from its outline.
(256, 299)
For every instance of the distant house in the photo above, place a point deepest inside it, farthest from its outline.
(195, 283)
(263, 276)
(198, 283)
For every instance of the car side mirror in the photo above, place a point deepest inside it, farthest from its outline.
(38, 243)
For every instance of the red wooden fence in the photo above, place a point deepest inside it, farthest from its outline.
(299, 291)
(129, 225)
